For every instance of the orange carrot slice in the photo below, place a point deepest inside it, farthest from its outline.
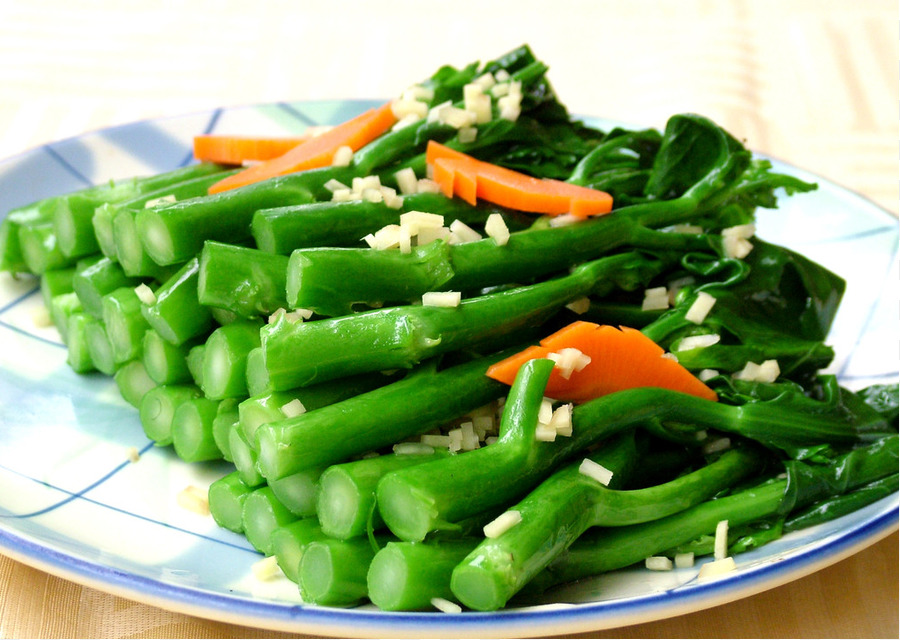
(316, 152)
(621, 358)
(471, 179)
(225, 149)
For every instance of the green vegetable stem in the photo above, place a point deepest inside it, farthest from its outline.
(423, 400)
(564, 506)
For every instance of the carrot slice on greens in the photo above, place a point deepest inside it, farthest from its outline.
(225, 149)
(318, 151)
(621, 358)
(471, 179)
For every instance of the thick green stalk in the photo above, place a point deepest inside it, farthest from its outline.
(270, 406)
(422, 401)
(247, 281)
(315, 276)
(97, 278)
(298, 354)
(39, 247)
(333, 572)
(56, 282)
(226, 420)
(100, 348)
(194, 362)
(177, 313)
(226, 501)
(78, 356)
(192, 430)
(12, 258)
(130, 253)
(173, 233)
(262, 514)
(244, 457)
(125, 325)
(166, 363)
(344, 224)
(331, 281)
(428, 497)
(298, 491)
(346, 500)
(612, 548)
(415, 501)
(257, 374)
(62, 307)
(73, 215)
(133, 382)
(289, 541)
(606, 549)
(158, 408)
(187, 185)
(564, 506)
(407, 576)
(225, 360)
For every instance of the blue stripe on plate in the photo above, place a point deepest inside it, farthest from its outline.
(19, 300)
(22, 331)
(71, 495)
(68, 166)
(34, 175)
(210, 125)
(80, 496)
(298, 114)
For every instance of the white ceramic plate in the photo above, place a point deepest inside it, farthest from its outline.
(72, 503)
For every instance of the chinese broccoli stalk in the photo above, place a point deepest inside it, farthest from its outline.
(715, 177)
(300, 353)
(806, 484)
(565, 505)
(416, 501)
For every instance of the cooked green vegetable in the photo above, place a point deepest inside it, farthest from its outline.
(133, 382)
(346, 384)
(192, 430)
(423, 400)
(247, 281)
(177, 314)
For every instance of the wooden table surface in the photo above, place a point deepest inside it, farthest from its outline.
(811, 82)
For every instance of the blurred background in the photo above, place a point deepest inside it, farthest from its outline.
(811, 82)
(814, 82)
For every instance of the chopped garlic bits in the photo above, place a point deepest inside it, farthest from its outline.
(655, 299)
(193, 499)
(418, 228)
(293, 408)
(266, 569)
(441, 299)
(658, 563)
(768, 371)
(445, 606)
(367, 188)
(579, 306)
(700, 308)
(297, 315)
(553, 422)
(735, 240)
(342, 157)
(502, 523)
(595, 471)
(145, 294)
(496, 228)
(697, 342)
(716, 568)
(569, 361)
